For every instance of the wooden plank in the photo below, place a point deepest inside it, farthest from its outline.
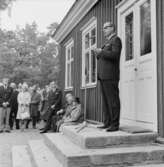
(20, 156)
(160, 65)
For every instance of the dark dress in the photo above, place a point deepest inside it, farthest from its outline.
(14, 109)
(45, 105)
(34, 106)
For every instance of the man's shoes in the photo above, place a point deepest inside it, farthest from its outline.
(41, 129)
(1, 131)
(112, 129)
(44, 131)
(103, 126)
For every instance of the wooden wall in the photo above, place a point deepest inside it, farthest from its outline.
(104, 11)
(160, 64)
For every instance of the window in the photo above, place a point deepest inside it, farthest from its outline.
(89, 63)
(129, 54)
(145, 25)
(69, 65)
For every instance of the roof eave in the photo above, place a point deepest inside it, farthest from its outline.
(79, 9)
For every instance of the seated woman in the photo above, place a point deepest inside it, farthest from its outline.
(73, 113)
(60, 113)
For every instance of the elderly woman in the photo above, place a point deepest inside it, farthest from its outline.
(73, 113)
(24, 99)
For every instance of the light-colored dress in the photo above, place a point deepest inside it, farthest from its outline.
(24, 99)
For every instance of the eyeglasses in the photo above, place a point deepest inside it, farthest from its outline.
(107, 27)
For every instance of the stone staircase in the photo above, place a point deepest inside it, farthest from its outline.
(90, 147)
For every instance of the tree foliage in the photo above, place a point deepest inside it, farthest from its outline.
(5, 3)
(27, 55)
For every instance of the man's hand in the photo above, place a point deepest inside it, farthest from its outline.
(60, 112)
(4, 104)
(53, 106)
(97, 51)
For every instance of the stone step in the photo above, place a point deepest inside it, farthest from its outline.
(42, 155)
(71, 155)
(21, 157)
(91, 137)
(149, 165)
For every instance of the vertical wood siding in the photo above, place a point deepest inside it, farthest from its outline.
(104, 11)
(160, 65)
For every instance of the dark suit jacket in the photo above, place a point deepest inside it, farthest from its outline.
(5, 95)
(109, 60)
(55, 98)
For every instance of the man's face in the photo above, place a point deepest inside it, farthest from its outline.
(107, 30)
(53, 85)
(5, 81)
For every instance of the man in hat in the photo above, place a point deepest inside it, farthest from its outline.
(108, 74)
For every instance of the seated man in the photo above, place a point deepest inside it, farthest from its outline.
(55, 101)
(72, 113)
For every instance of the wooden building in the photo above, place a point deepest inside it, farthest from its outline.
(140, 26)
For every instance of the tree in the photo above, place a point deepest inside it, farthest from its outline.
(52, 28)
(5, 3)
(27, 55)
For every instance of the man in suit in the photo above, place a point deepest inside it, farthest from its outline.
(5, 95)
(55, 104)
(14, 107)
(108, 74)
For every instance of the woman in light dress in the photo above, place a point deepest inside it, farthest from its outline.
(24, 99)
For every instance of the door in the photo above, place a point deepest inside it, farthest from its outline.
(138, 65)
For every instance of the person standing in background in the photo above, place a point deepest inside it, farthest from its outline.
(24, 99)
(34, 106)
(5, 95)
(14, 107)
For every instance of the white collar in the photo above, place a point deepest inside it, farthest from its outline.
(110, 36)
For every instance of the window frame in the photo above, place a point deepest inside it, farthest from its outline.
(90, 25)
(68, 46)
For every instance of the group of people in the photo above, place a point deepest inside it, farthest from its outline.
(22, 104)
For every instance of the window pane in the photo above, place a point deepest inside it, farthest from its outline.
(93, 36)
(129, 37)
(87, 68)
(71, 77)
(93, 68)
(69, 54)
(72, 52)
(145, 35)
(87, 41)
(68, 75)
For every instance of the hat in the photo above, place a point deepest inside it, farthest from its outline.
(108, 24)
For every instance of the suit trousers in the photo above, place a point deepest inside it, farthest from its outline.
(111, 109)
(4, 118)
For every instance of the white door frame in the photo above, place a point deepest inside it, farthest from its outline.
(121, 8)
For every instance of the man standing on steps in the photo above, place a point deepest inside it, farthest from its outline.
(5, 95)
(108, 74)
